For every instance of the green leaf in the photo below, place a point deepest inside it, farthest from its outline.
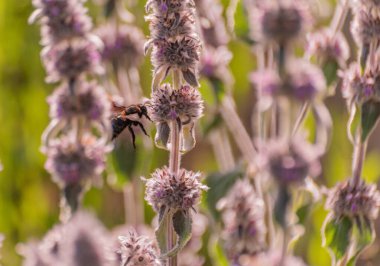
(369, 117)
(219, 184)
(164, 217)
(362, 236)
(182, 225)
(336, 236)
(330, 70)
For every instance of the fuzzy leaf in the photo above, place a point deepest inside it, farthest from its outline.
(220, 184)
(188, 138)
(362, 237)
(182, 225)
(162, 135)
(335, 235)
(369, 117)
(164, 218)
(190, 78)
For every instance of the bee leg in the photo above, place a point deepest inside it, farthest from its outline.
(147, 116)
(133, 136)
(137, 123)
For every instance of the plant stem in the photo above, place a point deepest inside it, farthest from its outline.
(358, 160)
(301, 117)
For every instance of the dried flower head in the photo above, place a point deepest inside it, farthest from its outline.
(243, 219)
(71, 162)
(89, 101)
(85, 242)
(137, 251)
(280, 23)
(211, 19)
(270, 258)
(291, 162)
(168, 104)
(122, 44)
(182, 192)
(327, 45)
(181, 54)
(351, 200)
(61, 19)
(70, 60)
(358, 88)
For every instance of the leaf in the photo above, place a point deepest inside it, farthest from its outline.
(281, 206)
(162, 135)
(369, 117)
(362, 237)
(220, 184)
(164, 218)
(190, 78)
(188, 138)
(330, 70)
(364, 52)
(335, 236)
(182, 225)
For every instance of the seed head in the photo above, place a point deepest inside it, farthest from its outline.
(291, 162)
(167, 104)
(70, 162)
(354, 201)
(61, 19)
(137, 251)
(327, 45)
(122, 45)
(243, 219)
(89, 101)
(180, 192)
(69, 61)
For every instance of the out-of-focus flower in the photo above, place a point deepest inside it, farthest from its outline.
(290, 162)
(85, 242)
(89, 101)
(358, 88)
(280, 23)
(61, 19)
(214, 31)
(70, 60)
(71, 162)
(267, 84)
(365, 26)
(351, 200)
(180, 192)
(243, 218)
(326, 45)
(122, 45)
(137, 251)
(214, 64)
(367, 4)
(270, 258)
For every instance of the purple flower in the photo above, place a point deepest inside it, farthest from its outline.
(291, 162)
(243, 218)
(214, 64)
(354, 201)
(70, 162)
(180, 192)
(71, 60)
(89, 101)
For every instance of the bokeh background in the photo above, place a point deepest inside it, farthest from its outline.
(29, 200)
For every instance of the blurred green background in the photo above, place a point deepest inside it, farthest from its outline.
(29, 200)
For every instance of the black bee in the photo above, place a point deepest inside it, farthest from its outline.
(122, 118)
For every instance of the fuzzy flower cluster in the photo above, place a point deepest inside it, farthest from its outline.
(82, 241)
(72, 162)
(184, 105)
(180, 192)
(303, 82)
(243, 219)
(279, 23)
(326, 45)
(291, 162)
(122, 45)
(90, 102)
(174, 41)
(61, 19)
(359, 88)
(354, 201)
(137, 251)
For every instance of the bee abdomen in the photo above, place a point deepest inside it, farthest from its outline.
(118, 125)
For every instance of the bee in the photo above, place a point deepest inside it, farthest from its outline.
(122, 117)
